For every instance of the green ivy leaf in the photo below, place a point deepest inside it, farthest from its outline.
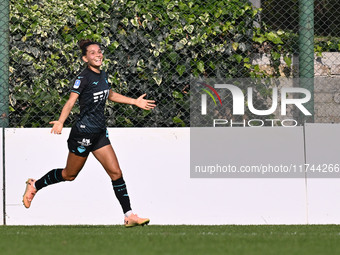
(180, 69)
(170, 6)
(35, 7)
(177, 95)
(189, 28)
(274, 38)
(134, 22)
(238, 58)
(287, 60)
(275, 55)
(235, 46)
(173, 56)
(157, 78)
(130, 4)
(200, 66)
(177, 120)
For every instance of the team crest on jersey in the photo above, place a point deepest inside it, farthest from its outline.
(76, 84)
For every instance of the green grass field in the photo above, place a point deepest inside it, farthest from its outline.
(155, 239)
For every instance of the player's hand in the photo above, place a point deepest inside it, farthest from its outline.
(57, 127)
(144, 103)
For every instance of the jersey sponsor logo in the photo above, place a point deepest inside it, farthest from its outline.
(85, 142)
(101, 95)
(76, 84)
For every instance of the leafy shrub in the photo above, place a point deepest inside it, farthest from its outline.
(154, 47)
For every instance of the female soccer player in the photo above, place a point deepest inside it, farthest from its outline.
(89, 133)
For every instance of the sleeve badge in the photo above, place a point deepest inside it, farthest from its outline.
(76, 84)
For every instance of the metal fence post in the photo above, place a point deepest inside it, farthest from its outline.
(4, 62)
(306, 52)
(4, 85)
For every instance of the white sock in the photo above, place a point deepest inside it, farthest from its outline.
(128, 213)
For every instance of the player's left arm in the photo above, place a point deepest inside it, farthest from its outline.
(140, 101)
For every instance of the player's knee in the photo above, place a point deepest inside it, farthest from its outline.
(68, 177)
(115, 175)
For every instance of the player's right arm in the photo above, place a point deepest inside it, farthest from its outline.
(58, 124)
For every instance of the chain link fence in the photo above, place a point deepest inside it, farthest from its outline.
(158, 48)
(284, 15)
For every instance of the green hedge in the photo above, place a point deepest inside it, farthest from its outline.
(154, 47)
